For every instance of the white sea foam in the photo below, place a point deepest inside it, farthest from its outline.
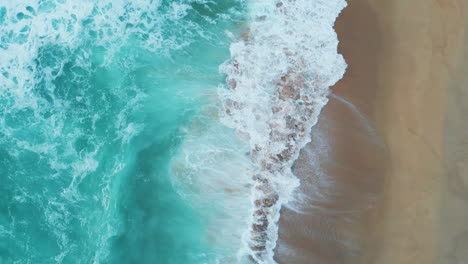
(278, 82)
(28, 26)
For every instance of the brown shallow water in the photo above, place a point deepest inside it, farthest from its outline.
(388, 182)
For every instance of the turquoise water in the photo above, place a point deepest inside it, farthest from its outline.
(100, 106)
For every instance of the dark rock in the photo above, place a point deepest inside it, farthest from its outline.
(280, 157)
(258, 248)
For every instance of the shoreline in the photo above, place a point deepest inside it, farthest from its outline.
(401, 56)
(355, 166)
(272, 113)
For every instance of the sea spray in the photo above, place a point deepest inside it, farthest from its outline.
(278, 81)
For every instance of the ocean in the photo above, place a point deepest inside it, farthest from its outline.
(156, 131)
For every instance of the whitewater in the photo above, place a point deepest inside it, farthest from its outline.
(156, 131)
(278, 81)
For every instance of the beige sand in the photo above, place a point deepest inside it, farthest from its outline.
(407, 74)
(421, 44)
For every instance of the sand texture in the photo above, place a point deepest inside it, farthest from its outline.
(393, 185)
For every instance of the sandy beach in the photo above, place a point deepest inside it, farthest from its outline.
(392, 186)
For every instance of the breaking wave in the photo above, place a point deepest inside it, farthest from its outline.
(277, 82)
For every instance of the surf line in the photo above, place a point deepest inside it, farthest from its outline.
(277, 82)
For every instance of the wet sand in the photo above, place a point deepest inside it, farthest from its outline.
(340, 186)
(454, 221)
(392, 186)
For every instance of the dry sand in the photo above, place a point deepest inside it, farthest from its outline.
(406, 200)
